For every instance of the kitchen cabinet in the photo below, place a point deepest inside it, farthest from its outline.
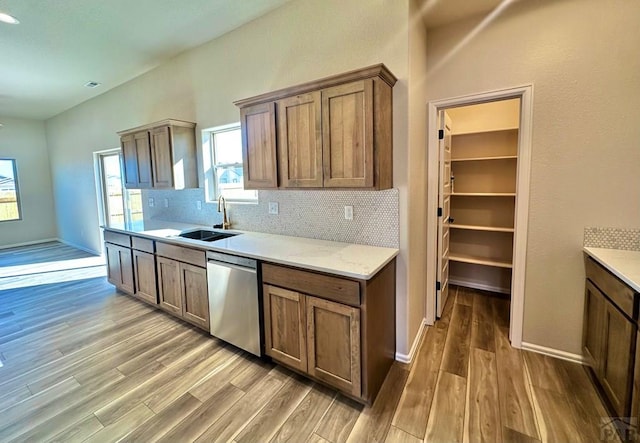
(119, 261)
(144, 267)
(331, 133)
(258, 132)
(609, 335)
(182, 283)
(336, 330)
(160, 155)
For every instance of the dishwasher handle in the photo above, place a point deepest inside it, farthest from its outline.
(232, 266)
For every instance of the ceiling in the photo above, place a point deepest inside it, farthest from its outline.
(60, 45)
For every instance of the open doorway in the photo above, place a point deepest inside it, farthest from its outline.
(120, 207)
(478, 166)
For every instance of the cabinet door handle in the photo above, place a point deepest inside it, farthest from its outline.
(450, 219)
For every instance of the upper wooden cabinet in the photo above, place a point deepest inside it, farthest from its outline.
(160, 155)
(331, 133)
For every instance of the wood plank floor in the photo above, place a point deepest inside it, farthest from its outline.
(82, 362)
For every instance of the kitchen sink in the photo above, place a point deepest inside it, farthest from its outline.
(205, 235)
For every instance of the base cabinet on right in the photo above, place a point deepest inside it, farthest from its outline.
(336, 330)
(609, 336)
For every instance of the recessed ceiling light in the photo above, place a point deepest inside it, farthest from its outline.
(6, 18)
(93, 84)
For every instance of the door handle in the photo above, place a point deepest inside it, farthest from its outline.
(450, 219)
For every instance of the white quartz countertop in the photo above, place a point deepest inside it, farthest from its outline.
(346, 259)
(624, 264)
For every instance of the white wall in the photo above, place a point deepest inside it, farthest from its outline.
(417, 226)
(582, 58)
(302, 41)
(24, 140)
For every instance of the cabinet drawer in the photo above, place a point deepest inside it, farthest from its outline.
(186, 255)
(324, 286)
(611, 286)
(142, 244)
(117, 238)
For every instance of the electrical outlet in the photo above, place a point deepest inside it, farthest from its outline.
(198, 205)
(151, 202)
(348, 212)
(273, 208)
(166, 202)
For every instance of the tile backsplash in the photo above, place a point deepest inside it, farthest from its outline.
(612, 238)
(315, 214)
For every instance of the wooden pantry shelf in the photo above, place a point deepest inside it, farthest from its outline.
(481, 228)
(465, 258)
(484, 194)
(475, 159)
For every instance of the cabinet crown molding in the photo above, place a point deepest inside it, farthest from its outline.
(379, 70)
(165, 122)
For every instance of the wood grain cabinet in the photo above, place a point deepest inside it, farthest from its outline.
(258, 131)
(609, 335)
(182, 286)
(160, 155)
(119, 261)
(331, 133)
(144, 267)
(336, 330)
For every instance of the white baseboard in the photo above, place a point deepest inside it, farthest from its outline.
(477, 285)
(29, 243)
(563, 355)
(82, 248)
(408, 358)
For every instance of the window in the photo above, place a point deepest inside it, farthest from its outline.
(122, 207)
(225, 175)
(9, 194)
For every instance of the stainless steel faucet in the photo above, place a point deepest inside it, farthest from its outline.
(225, 222)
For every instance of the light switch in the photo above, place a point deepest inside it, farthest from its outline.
(151, 202)
(198, 205)
(273, 207)
(348, 212)
(166, 202)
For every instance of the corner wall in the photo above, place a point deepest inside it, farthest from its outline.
(582, 59)
(24, 140)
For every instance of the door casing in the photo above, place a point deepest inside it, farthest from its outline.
(525, 94)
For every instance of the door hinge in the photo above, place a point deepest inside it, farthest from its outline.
(439, 212)
(440, 134)
(437, 286)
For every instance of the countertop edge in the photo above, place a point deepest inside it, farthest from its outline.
(593, 253)
(211, 246)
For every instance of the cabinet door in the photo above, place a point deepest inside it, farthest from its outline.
(592, 329)
(144, 265)
(347, 135)
(635, 394)
(333, 344)
(617, 370)
(169, 293)
(143, 159)
(161, 157)
(195, 301)
(300, 141)
(130, 161)
(284, 324)
(120, 267)
(258, 128)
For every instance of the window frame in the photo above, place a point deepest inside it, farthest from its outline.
(212, 188)
(16, 183)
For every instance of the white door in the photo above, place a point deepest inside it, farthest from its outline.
(444, 205)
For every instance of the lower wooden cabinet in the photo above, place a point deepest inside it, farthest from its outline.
(120, 267)
(609, 338)
(333, 344)
(337, 330)
(144, 266)
(285, 326)
(182, 291)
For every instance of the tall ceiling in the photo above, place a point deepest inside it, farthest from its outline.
(60, 45)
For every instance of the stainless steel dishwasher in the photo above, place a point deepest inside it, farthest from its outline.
(233, 300)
